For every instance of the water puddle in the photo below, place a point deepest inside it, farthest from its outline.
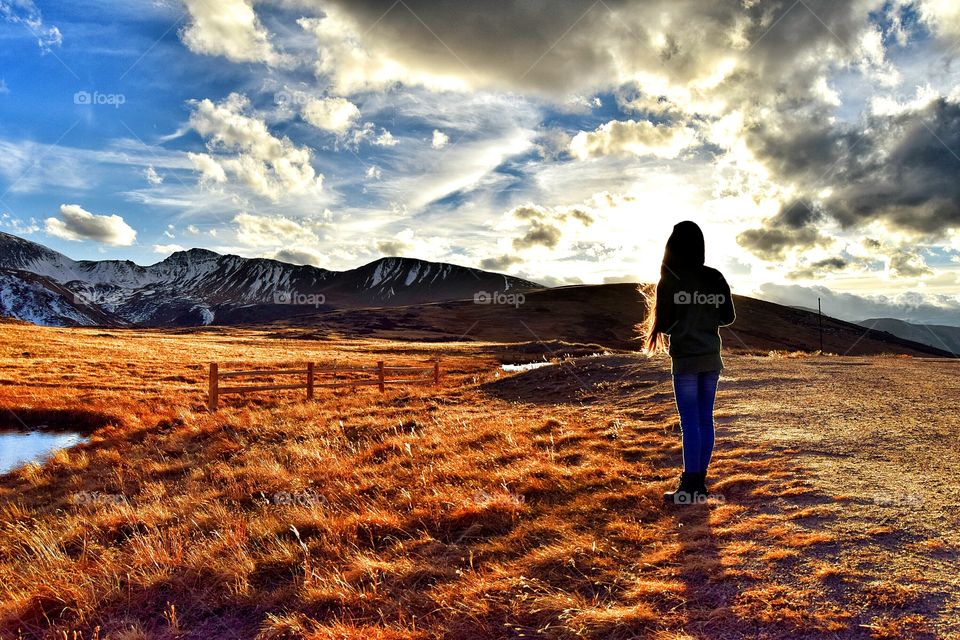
(525, 367)
(18, 447)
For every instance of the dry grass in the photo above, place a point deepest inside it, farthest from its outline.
(419, 513)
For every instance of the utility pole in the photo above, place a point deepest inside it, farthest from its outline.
(820, 322)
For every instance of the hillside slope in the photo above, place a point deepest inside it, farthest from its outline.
(604, 315)
(939, 336)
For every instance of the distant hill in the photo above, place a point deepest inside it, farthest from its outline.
(939, 336)
(198, 287)
(602, 315)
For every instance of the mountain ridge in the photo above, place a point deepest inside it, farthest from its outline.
(199, 286)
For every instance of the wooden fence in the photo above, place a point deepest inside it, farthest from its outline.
(312, 372)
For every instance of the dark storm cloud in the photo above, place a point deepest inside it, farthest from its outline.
(899, 169)
(544, 225)
(793, 227)
(499, 263)
(819, 268)
(539, 234)
(558, 46)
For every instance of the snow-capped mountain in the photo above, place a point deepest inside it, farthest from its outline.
(204, 287)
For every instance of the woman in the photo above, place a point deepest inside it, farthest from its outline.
(692, 301)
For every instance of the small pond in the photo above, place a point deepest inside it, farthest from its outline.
(20, 447)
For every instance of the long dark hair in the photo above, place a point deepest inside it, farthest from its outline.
(685, 251)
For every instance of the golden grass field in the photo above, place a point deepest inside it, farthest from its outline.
(497, 506)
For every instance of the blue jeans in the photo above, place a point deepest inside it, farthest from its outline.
(695, 393)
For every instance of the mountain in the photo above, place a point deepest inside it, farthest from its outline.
(587, 318)
(935, 335)
(198, 287)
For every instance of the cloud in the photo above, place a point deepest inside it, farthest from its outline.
(331, 114)
(499, 263)
(167, 248)
(266, 231)
(639, 138)
(543, 224)
(271, 167)
(229, 28)
(17, 226)
(373, 172)
(385, 139)
(354, 63)
(793, 228)
(152, 176)
(912, 307)
(26, 13)
(898, 169)
(302, 256)
(819, 268)
(4, 89)
(393, 247)
(440, 139)
(77, 224)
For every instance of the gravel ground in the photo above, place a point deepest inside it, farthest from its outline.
(884, 433)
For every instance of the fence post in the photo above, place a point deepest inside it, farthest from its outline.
(309, 381)
(214, 390)
(436, 372)
(380, 375)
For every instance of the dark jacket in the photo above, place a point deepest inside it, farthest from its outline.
(694, 303)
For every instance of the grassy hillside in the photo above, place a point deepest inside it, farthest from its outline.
(598, 314)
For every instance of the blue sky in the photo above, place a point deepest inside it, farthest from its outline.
(815, 142)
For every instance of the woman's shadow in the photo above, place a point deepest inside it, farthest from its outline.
(707, 591)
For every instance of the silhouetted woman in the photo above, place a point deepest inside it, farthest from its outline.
(692, 302)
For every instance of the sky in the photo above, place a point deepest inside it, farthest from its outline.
(817, 143)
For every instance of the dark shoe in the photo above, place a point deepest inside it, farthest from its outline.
(702, 483)
(686, 492)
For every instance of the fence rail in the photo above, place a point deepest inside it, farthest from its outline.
(311, 373)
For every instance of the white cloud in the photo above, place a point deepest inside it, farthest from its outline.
(641, 138)
(25, 12)
(4, 89)
(440, 139)
(75, 223)
(18, 226)
(229, 28)
(331, 114)
(299, 255)
(167, 248)
(385, 139)
(193, 230)
(271, 167)
(374, 172)
(351, 67)
(152, 176)
(267, 231)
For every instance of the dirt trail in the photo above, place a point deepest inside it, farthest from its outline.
(869, 452)
(881, 432)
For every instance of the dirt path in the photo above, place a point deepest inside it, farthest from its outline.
(882, 433)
